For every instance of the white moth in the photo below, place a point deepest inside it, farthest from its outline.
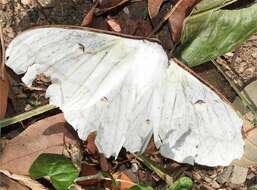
(126, 90)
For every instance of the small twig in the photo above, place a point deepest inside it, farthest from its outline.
(32, 88)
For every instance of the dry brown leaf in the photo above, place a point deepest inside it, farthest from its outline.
(113, 24)
(151, 148)
(87, 20)
(124, 181)
(4, 91)
(103, 163)
(154, 7)
(176, 21)
(90, 144)
(88, 170)
(8, 184)
(49, 135)
(4, 83)
(143, 28)
(25, 180)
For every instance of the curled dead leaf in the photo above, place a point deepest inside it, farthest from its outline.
(50, 135)
(176, 20)
(87, 20)
(154, 7)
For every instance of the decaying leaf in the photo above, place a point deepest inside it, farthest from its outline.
(87, 20)
(103, 163)
(176, 15)
(154, 7)
(176, 20)
(25, 180)
(123, 180)
(4, 92)
(8, 184)
(88, 170)
(4, 83)
(50, 135)
(215, 32)
(90, 144)
(126, 90)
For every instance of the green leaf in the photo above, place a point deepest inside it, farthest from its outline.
(183, 183)
(206, 5)
(253, 187)
(214, 33)
(59, 168)
(141, 187)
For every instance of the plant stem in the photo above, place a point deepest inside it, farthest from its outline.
(242, 95)
(100, 176)
(154, 167)
(18, 118)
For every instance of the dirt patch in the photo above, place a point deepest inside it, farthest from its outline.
(241, 64)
